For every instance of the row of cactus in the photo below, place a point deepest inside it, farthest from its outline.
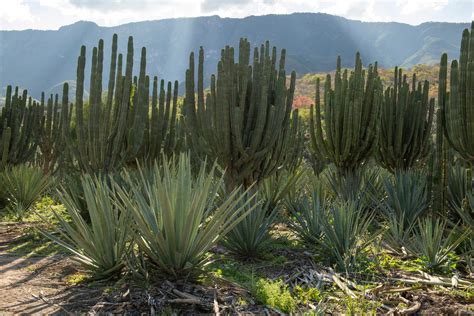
(245, 121)
(19, 128)
(54, 122)
(119, 130)
(405, 127)
(346, 133)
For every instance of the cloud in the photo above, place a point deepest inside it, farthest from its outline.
(214, 5)
(16, 13)
(119, 5)
(51, 14)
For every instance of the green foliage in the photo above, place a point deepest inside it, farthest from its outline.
(124, 127)
(179, 216)
(23, 186)
(363, 186)
(406, 120)
(56, 118)
(245, 121)
(458, 183)
(19, 128)
(307, 214)
(346, 234)
(458, 113)
(433, 244)
(407, 200)
(275, 294)
(251, 237)
(101, 245)
(346, 134)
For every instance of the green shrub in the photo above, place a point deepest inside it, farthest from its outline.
(407, 200)
(251, 237)
(346, 234)
(457, 187)
(179, 216)
(275, 294)
(23, 186)
(101, 244)
(433, 245)
(307, 214)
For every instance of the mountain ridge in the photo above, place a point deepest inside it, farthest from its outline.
(40, 59)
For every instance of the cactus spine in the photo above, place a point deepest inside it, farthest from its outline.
(246, 120)
(347, 133)
(406, 120)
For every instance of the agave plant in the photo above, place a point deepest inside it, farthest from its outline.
(363, 186)
(433, 244)
(101, 245)
(457, 186)
(346, 234)
(278, 186)
(307, 214)
(179, 216)
(251, 237)
(406, 201)
(23, 186)
(466, 212)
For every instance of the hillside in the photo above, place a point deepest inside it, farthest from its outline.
(39, 60)
(305, 85)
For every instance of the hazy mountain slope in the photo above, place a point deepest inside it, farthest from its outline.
(39, 60)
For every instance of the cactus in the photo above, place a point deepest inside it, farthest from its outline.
(52, 137)
(351, 114)
(115, 131)
(406, 120)
(459, 111)
(163, 132)
(19, 128)
(245, 121)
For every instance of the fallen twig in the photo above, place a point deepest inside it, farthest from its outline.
(412, 309)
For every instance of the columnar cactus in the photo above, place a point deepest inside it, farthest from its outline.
(19, 128)
(52, 137)
(246, 120)
(115, 131)
(347, 133)
(163, 130)
(406, 120)
(458, 113)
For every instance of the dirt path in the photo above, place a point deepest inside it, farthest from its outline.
(37, 285)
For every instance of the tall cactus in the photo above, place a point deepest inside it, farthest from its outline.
(19, 128)
(245, 121)
(115, 131)
(55, 118)
(459, 112)
(162, 131)
(406, 120)
(347, 133)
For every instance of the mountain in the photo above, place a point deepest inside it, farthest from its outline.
(40, 60)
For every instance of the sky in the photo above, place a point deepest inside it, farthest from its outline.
(52, 14)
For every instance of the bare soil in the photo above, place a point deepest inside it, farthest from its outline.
(38, 285)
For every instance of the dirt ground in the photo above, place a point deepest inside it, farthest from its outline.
(37, 285)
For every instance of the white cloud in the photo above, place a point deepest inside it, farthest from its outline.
(17, 12)
(51, 14)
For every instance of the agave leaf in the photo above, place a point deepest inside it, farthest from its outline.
(102, 244)
(23, 186)
(177, 215)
